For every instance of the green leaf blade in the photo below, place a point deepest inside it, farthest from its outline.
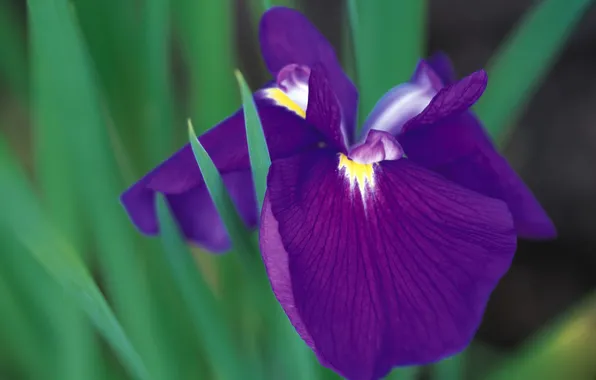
(452, 368)
(73, 108)
(211, 59)
(255, 137)
(523, 61)
(209, 322)
(159, 108)
(389, 39)
(221, 198)
(22, 216)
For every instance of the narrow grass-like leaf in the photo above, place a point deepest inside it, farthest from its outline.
(65, 71)
(23, 217)
(407, 373)
(256, 286)
(327, 374)
(223, 203)
(293, 352)
(207, 32)
(113, 33)
(452, 368)
(389, 39)
(38, 295)
(13, 65)
(255, 137)
(78, 354)
(76, 350)
(208, 319)
(295, 356)
(564, 349)
(168, 309)
(16, 334)
(175, 321)
(158, 129)
(524, 59)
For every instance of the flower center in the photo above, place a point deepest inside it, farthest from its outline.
(378, 146)
(358, 174)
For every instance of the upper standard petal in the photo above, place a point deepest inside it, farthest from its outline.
(442, 65)
(424, 100)
(324, 111)
(451, 100)
(287, 37)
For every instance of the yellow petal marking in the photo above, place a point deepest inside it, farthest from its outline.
(282, 99)
(357, 174)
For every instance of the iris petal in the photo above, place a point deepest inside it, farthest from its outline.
(459, 149)
(451, 100)
(324, 111)
(180, 179)
(441, 64)
(401, 281)
(287, 37)
(424, 100)
(197, 216)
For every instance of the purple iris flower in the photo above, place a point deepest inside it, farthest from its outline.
(382, 250)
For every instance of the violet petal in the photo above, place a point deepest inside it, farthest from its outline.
(451, 100)
(180, 179)
(404, 102)
(443, 67)
(400, 277)
(323, 110)
(459, 149)
(287, 37)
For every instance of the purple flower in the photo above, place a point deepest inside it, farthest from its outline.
(382, 250)
(376, 260)
(456, 146)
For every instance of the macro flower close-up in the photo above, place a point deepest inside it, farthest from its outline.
(297, 190)
(382, 246)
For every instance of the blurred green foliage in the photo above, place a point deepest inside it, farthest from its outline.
(84, 296)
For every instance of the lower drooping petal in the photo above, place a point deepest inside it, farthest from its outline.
(181, 181)
(198, 218)
(459, 149)
(399, 275)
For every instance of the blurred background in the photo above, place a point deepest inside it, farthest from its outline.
(96, 92)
